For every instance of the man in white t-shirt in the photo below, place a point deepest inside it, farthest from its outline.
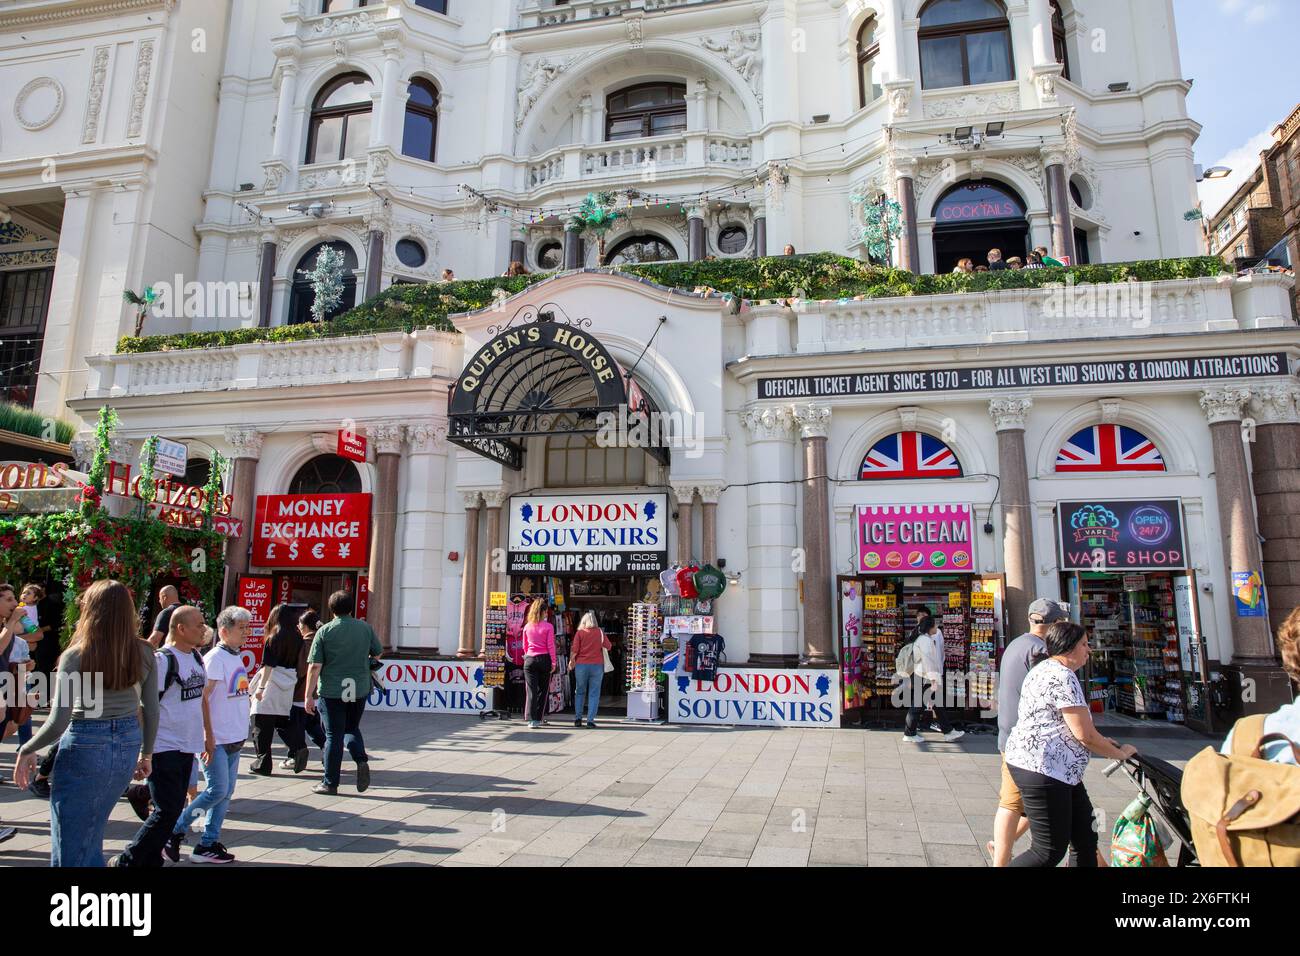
(225, 723)
(182, 678)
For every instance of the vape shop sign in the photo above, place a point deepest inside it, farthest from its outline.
(588, 534)
(894, 539)
(312, 531)
(1122, 535)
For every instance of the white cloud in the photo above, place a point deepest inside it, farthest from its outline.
(1253, 11)
(1243, 161)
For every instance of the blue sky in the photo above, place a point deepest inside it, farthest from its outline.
(1243, 57)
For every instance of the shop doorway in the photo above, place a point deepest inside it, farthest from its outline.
(973, 217)
(312, 590)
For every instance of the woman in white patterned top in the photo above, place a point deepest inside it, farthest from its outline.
(1047, 753)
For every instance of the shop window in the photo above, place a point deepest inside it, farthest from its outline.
(420, 128)
(301, 296)
(869, 80)
(964, 43)
(732, 240)
(326, 475)
(1108, 449)
(576, 460)
(906, 455)
(636, 249)
(550, 256)
(340, 120)
(649, 109)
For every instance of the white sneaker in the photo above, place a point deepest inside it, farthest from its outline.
(954, 735)
(913, 739)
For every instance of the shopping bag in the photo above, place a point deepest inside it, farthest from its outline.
(609, 665)
(1135, 841)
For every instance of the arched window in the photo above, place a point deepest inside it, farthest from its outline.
(975, 217)
(636, 249)
(649, 109)
(303, 295)
(1108, 448)
(577, 460)
(869, 87)
(1058, 40)
(197, 472)
(420, 130)
(964, 42)
(326, 475)
(909, 455)
(340, 120)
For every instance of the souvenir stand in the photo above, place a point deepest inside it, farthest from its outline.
(495, 663)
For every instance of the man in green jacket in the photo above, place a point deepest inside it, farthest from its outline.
(339, 669)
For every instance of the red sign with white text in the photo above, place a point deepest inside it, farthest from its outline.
(352, 445)
(363, 595)
(312, 531)
(254, 597)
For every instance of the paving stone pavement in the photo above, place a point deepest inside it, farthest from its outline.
(455, 791)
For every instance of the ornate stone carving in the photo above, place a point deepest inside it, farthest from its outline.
(900, 98)
(244, 442)
(635, 31)
(95, 95)
(907, 416)
(1224, 403)
(1031, 164)
(83, 452)
(927, 171)
(970, 104)
(427, 437)
(356, 23)
(140, 89)
(813, 420)
(1009, 413)
(768, 423)
(121, 449)
(1109, 410)
(275, 173)
(1277, 404)
(1053, 156)
(710, 494)
(495, 497)
(471, 500)
(387, 437)
(34, 119)
(377, 169)
(428, 237)
(535, 78)
(684, 492)
(741, 51)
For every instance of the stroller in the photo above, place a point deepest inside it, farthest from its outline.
(1162, 782)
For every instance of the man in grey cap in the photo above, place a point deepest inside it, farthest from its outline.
(1020, 655)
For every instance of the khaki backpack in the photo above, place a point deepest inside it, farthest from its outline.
(1245, 811)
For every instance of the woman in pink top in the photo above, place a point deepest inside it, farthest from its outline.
(539, 660)
(587, 662)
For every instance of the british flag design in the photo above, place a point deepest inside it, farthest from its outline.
(1109, 448)
(909, 455)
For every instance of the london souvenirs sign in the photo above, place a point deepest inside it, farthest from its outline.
(588, 534)
(1046, 374)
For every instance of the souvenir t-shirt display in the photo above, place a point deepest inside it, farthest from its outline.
(686, 582)
(706, 652)
(709, 582)
(668, 581)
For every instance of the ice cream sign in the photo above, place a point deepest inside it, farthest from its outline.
(916, 538)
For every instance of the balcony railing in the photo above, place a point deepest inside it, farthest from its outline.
(646, 157)
(544, 13)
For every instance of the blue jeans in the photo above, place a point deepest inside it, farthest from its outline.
(95, 763)
(586, 686)
(219, 774)
(342, 720)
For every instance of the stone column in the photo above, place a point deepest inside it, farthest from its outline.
(685, 495)
(1040, 29)
(695, 232)
(518, 249)
(416, 619)
(493, 551)
(387, 438)
(818, 643)
(392, 99)
(73, 294)
(374, 262)
(1275, 454)
(909, 248)
(1262, 682)
(893, 55)
(1008, 416)
(572, 249)
(771, 533)
(246, 445)
(1058, 197)
(469, 638)
(266, 281)
(288, 65)
(760, 230)
(709, 495)
(584, 121)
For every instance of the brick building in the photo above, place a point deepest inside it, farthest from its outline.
(1250, 223)
(1284, 162)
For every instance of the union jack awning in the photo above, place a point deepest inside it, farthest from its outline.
(909, 455)
(1109, 448)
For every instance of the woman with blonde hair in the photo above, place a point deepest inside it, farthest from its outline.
(539, 660)
(102, 673)
(587, 664)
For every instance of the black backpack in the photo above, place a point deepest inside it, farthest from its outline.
(174, 669)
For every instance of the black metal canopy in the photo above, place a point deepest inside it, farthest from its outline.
(542, 378)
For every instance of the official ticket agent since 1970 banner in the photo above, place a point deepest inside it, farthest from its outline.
(588, 534)
(896, 539)
(312, 531)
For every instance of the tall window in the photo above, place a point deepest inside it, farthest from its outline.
(302, 295)
(964, 42)
(340, 120)
(326, 475)
(420, 132)
(1058, 40)
(869, 87)
(24, 304)
(577, 460)
(650, 109)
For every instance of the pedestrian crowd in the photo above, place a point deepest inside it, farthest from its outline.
(1037, 259)
(164, 710)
